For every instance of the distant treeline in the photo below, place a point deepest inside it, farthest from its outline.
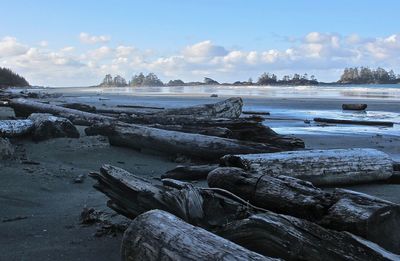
(356, 75)
(152, 80)
(365, 75)
(9, 78)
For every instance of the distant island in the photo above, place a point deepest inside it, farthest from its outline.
(365, 75)
(356, 75)
(9, 78)
(152, 79)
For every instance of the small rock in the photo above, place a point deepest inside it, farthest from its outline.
(307, 121)
(79, 179)
(214, 95)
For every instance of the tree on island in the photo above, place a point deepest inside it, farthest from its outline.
(177, 82)
(209, 81)
(296, 79)
(109, 81)
(365, 75)
(9, 78)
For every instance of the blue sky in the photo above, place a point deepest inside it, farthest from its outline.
(76, 42)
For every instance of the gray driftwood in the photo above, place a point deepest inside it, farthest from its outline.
(321, 167)
(355, 122)
(159, 235)
(372, 218)
(173, 142)
(231, 217)
(195, 172)
(15, 128)
(354, 106)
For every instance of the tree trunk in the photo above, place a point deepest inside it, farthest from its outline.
(227, 215)
(354, 107)
(24, 108)
(209, 131)
(189, 172)
(158, 235)
(249, 129)
(15, 128)
(321, 167)
(173, 142)
(294, 239)
(369, 217)
(355, 122)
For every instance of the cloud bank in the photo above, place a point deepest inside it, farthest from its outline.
(322, 54)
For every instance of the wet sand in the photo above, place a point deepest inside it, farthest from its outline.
(50, 203)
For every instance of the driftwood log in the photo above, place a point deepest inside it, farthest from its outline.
(15, 128)
(24, 108)
(227, 215)
(248, 129)
(189, 172)
(354, 107)
(173, 142)
(321, 167)
(372, 218)
(159, 235)
(355, 122)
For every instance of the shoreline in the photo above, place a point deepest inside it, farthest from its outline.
(46, 195)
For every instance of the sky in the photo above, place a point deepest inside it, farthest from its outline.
(75, 43)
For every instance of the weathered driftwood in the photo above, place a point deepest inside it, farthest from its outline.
(256, 112)
(294, 239)
(354, 107)
(189, 172)
(230, 108)
(248, 129)
(321, 167)
(173, 142)
(343, 210)
(140, 107)
(355, 122)
(15, 128)
(210, 131)
(24, 108)
(47, 126)
(159, 235)
(227, 215)
(79, 107)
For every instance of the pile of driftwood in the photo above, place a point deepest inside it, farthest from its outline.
(276, 217)
(205, 132)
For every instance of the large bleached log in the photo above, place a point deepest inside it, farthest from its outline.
(355, 122)
(343, 210)
(249, 129)
(294, 239)
(47, 126)
(15, 128)
(321, 167)
(230, 108)
(227, 215)
(173, 142)
(24, 108)
(189, 172)
(159, 235)
(210, 131)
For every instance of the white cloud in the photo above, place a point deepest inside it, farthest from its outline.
(10, 47)
(93, 39)
(316, 53)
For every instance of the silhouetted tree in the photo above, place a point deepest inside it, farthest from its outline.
(9, 78)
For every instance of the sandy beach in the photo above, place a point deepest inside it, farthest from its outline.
(41, 205)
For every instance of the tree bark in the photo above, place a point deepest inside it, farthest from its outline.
(294, 239)
(24, 108)
(15, 128)
(354, 107)
(189, 172)
(232, 218)
(159, 235)
(343, 210)
(173, 142)
(355, 122)
(321, 167)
